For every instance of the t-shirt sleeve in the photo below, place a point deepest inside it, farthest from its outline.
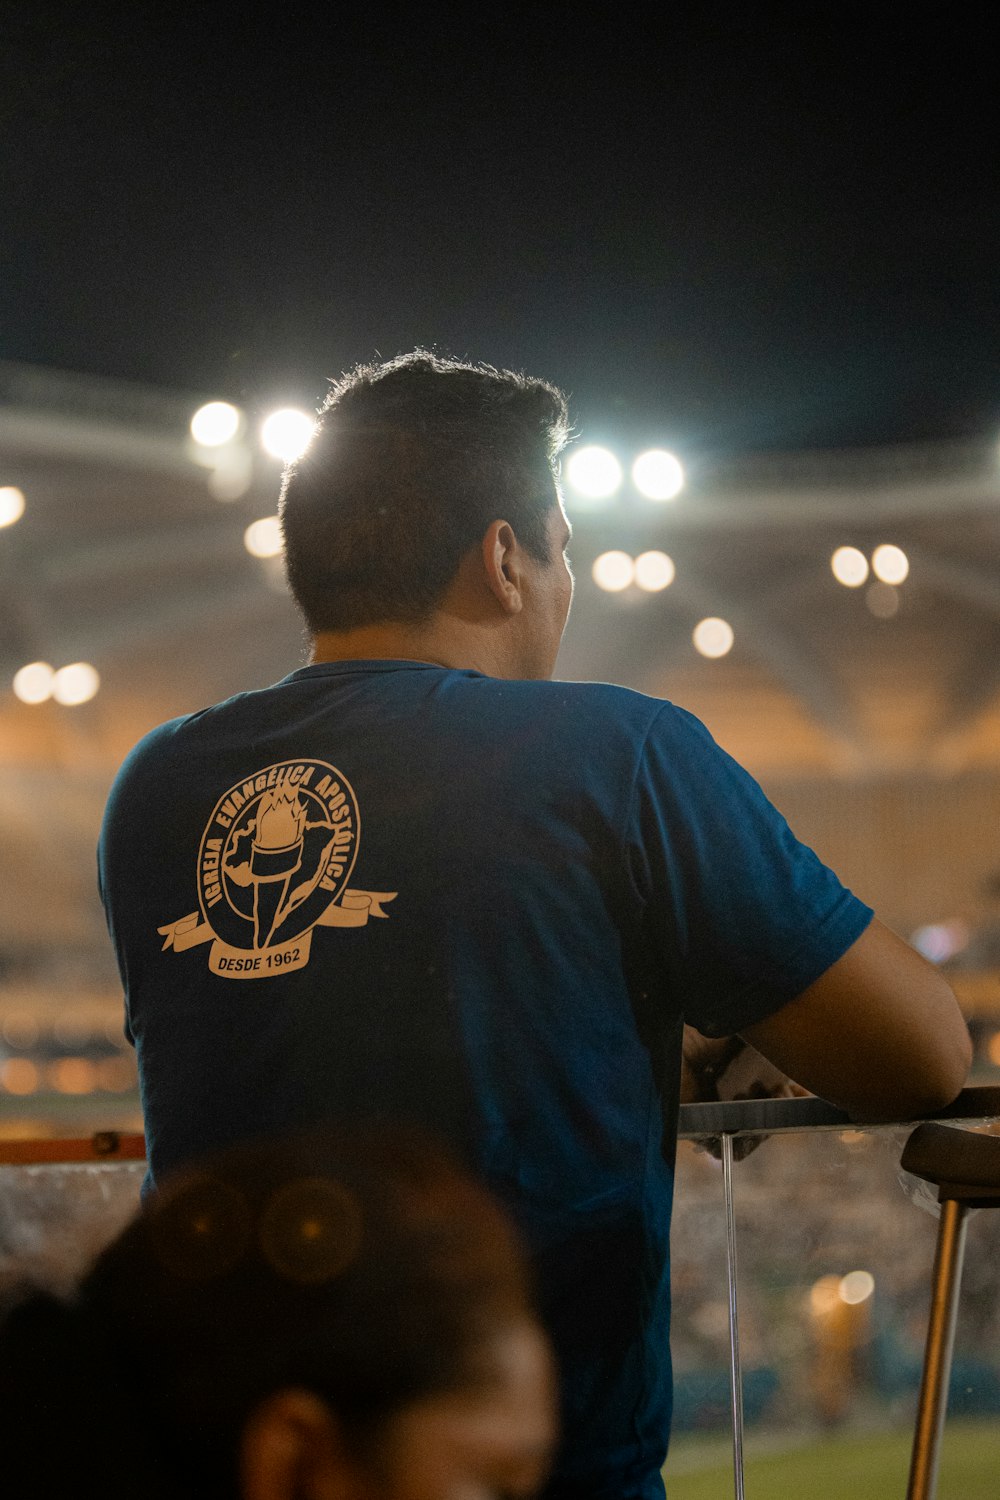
(743, 916)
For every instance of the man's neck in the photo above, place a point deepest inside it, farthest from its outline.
(388, 642)
(438, 642)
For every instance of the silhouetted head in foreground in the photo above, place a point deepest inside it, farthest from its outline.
(338, 1317)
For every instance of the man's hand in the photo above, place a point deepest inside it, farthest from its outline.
(726, 1068)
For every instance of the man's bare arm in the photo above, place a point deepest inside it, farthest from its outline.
(880, 1033)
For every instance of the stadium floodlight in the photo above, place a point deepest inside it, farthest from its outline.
(654, 571)
(891, 564)
(11, 505)
(613, 571)
(75, 684)
(263, 538)
(713, 637)
(849, 567)
(594, 473)
(33, 683)
(215, 423)
(658, 475)
(287, 433)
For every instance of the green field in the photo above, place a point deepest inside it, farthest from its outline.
(873, 1467)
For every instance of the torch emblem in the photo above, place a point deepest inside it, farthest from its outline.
(276, 854)
(274, 863)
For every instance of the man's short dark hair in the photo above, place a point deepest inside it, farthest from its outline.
(411, 462)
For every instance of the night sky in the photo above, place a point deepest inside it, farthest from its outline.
(718, 227)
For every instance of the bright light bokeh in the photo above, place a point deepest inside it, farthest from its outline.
(72, 1075)
(11, 504)
(849, 567)
(939, 941)
(824, 1295)
(891, 564)
(613, 571)
(654, 571)
(20, 1029)
(231, 474)
(215, 424)
(855, 1287)
(18, 1075)
(75, 684)
(658, 475)
(263, 538)
(713, 637)
(882, 600)
(993, 1049)
(287, 433)
(594, 473)
(33, 683)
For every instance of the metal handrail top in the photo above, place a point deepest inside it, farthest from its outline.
(737, 1117)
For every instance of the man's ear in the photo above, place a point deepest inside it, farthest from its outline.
(292, 1449)
(502, 565)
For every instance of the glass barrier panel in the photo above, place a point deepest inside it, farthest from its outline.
(54, 1219)
(835, 1253)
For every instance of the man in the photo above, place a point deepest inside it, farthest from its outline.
(418, 879)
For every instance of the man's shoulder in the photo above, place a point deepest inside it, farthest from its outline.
(152, 747)
(602, 704)
(168, 741)
(598, 715)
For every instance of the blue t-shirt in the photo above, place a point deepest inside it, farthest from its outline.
(385, 889)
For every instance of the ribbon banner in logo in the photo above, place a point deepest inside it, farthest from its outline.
(352, 910)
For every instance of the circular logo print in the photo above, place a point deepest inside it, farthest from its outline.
(278, 849)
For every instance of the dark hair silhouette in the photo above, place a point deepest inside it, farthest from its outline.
(411, 462)
(364, 1268)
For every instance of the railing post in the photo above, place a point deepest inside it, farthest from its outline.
(735, 1373)
(948, 1258)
